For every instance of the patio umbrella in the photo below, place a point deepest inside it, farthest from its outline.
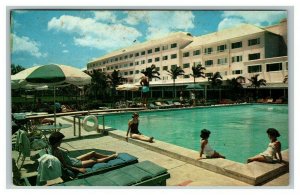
(53, 75)
(127, 87)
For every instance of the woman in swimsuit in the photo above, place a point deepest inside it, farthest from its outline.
(273, 152)
(79, 163)
(133, 129)
(205, 147)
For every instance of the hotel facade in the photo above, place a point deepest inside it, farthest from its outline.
(245, 50)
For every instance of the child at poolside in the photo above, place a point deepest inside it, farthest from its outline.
(133, 129)
(205, 147)
(77, 164)
(273, 152)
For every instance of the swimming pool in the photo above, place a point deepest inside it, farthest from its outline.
(237, 132)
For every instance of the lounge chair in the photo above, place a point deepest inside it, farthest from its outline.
(170, 103)
(145, 173)
(270, 100)
(123, 159)
(152, 106)
(278, 101)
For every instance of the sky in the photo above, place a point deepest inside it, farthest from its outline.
(75, 37)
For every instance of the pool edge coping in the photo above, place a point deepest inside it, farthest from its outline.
(254, 173)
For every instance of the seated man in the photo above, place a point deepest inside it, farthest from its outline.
(75, 164)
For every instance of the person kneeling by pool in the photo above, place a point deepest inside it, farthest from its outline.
(79, 163)
(205, 147)
(273, 152)
(133, 129)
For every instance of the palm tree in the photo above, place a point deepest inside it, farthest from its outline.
(98, 85)
(198, 72)
(236, 84)
(174, 73)
(16, 68)
(216, 82)
(286, 79)
(256, 84)
(114, 79)
(151, 72)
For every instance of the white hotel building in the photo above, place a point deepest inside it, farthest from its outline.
(245, 50)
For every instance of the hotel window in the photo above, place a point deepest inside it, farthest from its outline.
(165, 67)
(157, 59)
(116, 67)
(221, 48)
(255, 68)
(196, 52)
(116, 59)
(137, 63)
(104, 69)
(125, 73)
(237, 72)
(165, 47)
(173, 66)
(254, 56)
(143, 53)
(157, 49)
(186, 54)
(143, 62)
(187, 65)
(253, 41)
(125, 65)
(131, 72)
(165, 57)
(274, 67)
(222, 61)
(137, 71)
(121, 58)
(287, 65)
(137, 54)
(131, 64)
(149, 51)
(131, 55)
(208, 50)
(208, 75)
(173, 56)
(237, 59)
(149, 60)
(236, 45)
(209, 62)
(157, 68)
(173, 45)
(186, 76)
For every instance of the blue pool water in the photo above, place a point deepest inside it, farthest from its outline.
(237, 132)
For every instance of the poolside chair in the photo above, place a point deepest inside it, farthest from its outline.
(24, 146)
(145, 173)
(270, 100)
(170, 104)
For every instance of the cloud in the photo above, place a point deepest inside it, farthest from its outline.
(259, 18)
(25, 44)
(88, 32)
(65, 51)
(106, 16)
(161, 23)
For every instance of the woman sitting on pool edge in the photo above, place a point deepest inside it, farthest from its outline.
(133, 129)
(273, 152)
(79, 163)
(205, 147)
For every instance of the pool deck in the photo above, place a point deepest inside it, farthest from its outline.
(180, 162)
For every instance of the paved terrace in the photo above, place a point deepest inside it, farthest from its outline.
(184, 170)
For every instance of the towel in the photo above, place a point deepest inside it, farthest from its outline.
(49, 168)
(23, 143)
